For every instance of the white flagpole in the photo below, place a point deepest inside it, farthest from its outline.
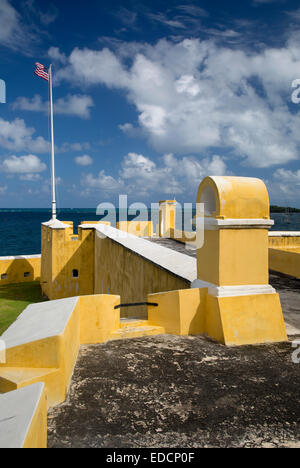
(52, 148)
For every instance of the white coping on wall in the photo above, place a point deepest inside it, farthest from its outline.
(20, 257)
(284, 233)
(56, 224)
(214, 223)
(17, 409)
(40, 321)
(233, 291)
(179, 264)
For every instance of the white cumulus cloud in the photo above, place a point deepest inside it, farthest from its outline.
(28, 164)
(141, 176)
(16, 136)
(84, 160)
(75, 105)
(198, 97)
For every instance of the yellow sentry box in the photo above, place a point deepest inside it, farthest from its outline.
(241, 307)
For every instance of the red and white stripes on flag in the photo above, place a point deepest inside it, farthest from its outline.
(41, 71)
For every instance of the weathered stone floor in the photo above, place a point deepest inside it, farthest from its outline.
(170, 391)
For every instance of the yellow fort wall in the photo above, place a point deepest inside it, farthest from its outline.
(20, 269)
(63, 252)
(137, 228)
(284, 253)
(285, 261)
(119, 270)
(280, 240)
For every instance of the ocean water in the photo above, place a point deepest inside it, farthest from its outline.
(20, 230)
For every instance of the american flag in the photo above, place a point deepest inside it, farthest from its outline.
(41, 71)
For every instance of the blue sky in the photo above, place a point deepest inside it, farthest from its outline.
(150, 97)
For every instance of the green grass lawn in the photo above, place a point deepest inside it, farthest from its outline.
(14, 298)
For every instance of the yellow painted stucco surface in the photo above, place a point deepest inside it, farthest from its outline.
(13, 378)
(245, 320)
(234, 257)
(237, 197)
(284, 242)
(179, 312)
(37, 434)
(136, 228)
(285, 261)
(98, 318)
(16, 268)
(167, 217)
(62, 252)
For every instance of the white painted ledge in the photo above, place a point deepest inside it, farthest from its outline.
(179, 264)
(284, 234)
(233, 291)
(20, 257)
(213, 223)
(40, 321)
(17, 410)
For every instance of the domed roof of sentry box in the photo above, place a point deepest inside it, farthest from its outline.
(234, 198)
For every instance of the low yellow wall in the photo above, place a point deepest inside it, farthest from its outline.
(52, 360)
(285, 261)
(283, 242)
(284, 253)
(137, 228)
(20, 269)
(98, 318)
(179, 312)
(37, 434)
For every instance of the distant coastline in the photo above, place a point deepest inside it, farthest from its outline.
(283, 209)
(273, 209)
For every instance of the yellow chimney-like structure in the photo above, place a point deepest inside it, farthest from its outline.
(236, 224)
(167, 217)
